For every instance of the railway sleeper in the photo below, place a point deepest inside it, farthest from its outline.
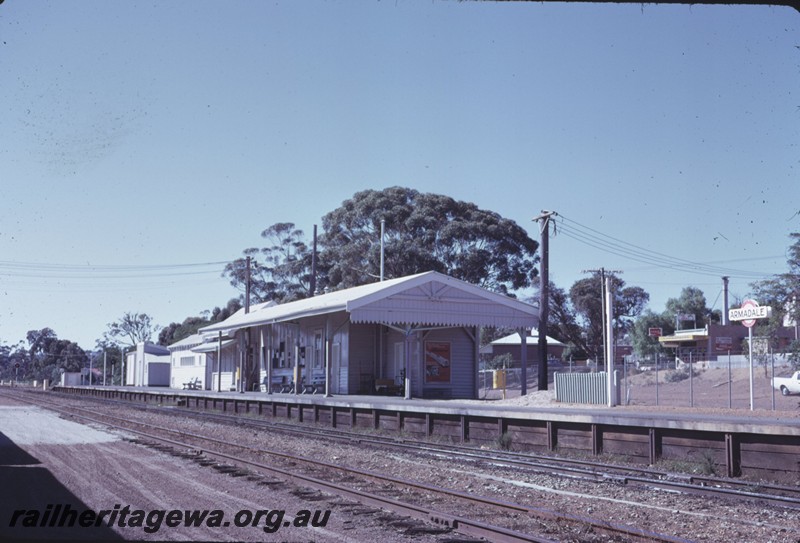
(425, 529)
(362, 510)
(269, 483)
(616, 479)
(225, 468)
(310, 495)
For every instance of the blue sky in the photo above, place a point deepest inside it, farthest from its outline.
(139, 138)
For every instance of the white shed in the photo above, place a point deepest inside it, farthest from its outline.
(147, 365)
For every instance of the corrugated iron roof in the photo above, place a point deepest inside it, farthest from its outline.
(194, 339)
(429, 298)
(211, 346)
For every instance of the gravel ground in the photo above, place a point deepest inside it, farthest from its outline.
(99, 470)
(102, 474)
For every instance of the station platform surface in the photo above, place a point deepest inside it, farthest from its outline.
(705, 420)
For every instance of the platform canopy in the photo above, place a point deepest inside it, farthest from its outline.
(426, 299)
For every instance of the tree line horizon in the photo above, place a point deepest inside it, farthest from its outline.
(421, 232)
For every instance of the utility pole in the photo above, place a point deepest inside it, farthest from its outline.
(724, 301)
(544, 300)
(610, 344)
(312, 287)
(247, 286)
(244, 357)
(383, 226)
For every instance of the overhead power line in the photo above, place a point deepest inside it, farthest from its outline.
(40, 270)
(609, 244)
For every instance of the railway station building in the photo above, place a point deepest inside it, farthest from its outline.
(417, 336)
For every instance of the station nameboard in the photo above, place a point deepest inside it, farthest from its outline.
(749, 312)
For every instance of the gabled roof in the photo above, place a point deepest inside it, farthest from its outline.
(189, 341)
(429, 298)
(152, 348)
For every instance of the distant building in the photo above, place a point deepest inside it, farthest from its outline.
(512, 344)
(717, 340)
(186, 365)
(147, 365)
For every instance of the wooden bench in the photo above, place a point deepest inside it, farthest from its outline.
(287, 387)
(387, 387)
(277, 383)
(316, 385)
(193, 384)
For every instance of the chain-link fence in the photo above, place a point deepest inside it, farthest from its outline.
(725, 383)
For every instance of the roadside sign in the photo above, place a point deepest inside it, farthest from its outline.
(723, 343)
(654, 332)
(749, 312)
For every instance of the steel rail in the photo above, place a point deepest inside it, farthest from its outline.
(688, 484)
(461, 524)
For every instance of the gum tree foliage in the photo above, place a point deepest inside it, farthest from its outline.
(10, 355)
(131, 329)
(177, 331)
(279, 272)
(782, 293)
(501, 361)
(563, 324)
(46, 356)
(643, 343)
(113, 356)
(691, 301)
(586, 299)
(424, 232)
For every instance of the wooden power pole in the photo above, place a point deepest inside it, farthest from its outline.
(544, 293)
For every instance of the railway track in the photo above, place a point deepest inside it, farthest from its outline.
(594, 471)
(435, 505)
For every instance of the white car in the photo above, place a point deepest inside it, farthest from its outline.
(787, 385)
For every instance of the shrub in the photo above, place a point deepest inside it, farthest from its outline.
(504, 441)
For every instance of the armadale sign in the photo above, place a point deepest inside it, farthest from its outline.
(749, 312)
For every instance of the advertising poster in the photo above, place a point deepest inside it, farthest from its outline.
(437, 361)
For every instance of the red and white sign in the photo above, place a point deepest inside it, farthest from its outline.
(749, 313)
(654, 332)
